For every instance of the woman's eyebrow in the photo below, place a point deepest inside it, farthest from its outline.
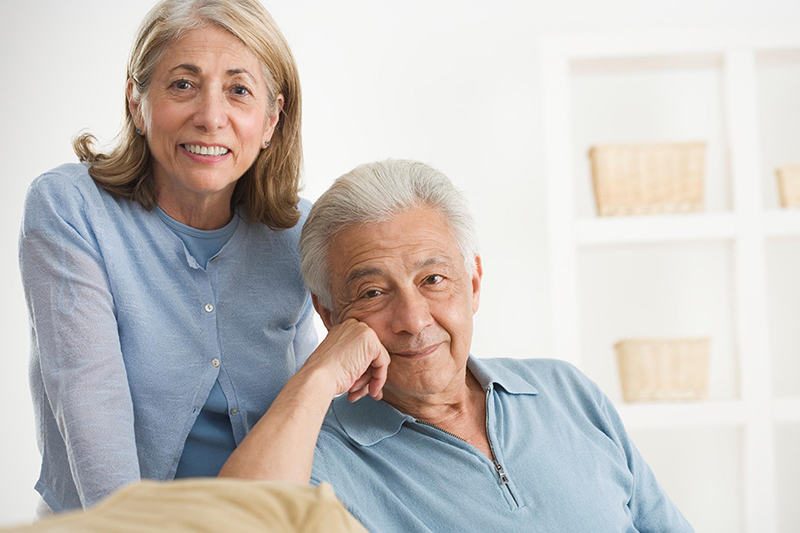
(194, 69)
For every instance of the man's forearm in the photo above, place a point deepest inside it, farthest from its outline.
(280, 446)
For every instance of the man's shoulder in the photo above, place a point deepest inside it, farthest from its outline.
(534, 371)
(553, 380)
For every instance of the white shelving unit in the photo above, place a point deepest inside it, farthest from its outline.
(740, 221)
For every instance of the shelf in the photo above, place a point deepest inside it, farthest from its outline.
(671, 415)
(786, 410)
(655, 229)
(656, 42)
(580, 72)
(782, 223)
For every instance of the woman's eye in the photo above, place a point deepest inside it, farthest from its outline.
(372, 294)
(241, 90)
(182, 85)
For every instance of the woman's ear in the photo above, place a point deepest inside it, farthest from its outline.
(273, 119)
(134, 105)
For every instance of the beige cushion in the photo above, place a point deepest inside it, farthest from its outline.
(208, 505)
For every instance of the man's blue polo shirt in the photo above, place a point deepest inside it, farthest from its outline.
(565, 461)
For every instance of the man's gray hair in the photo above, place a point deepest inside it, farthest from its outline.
(373, 193)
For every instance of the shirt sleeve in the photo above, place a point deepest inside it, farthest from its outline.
(305, 339)
(651, 509)
(75, 341)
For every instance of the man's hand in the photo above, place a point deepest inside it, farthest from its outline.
(354, 359)
(281, 445)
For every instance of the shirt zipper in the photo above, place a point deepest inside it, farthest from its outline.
(500, 470)
(501, 473)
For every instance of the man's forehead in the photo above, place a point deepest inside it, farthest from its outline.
(410, 240)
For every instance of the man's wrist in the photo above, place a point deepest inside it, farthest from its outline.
(316, 380)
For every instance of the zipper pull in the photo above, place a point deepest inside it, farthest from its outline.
(501, 473)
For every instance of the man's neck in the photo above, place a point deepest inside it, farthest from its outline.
(461, 413)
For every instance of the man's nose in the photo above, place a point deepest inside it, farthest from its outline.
(411, 312)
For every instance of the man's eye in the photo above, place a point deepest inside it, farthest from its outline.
(372, 294)
(433, 279)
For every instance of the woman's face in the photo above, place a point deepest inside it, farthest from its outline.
(205, 116)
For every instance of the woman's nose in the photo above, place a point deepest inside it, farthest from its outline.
(212, 112)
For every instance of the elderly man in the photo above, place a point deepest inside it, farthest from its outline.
(444, 441)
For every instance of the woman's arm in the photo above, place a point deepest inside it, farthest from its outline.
(79, 374)
(281, 445)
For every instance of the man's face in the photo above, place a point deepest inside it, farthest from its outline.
(405, 278)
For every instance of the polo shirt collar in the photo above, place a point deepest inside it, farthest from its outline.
(368, 421)
(488, 372)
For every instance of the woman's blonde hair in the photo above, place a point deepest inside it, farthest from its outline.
(268, 190)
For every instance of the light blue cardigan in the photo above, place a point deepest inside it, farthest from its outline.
(129, 333)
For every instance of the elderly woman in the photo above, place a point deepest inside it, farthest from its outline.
(166, 304)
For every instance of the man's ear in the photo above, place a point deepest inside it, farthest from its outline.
(323, 313)
(477, 275)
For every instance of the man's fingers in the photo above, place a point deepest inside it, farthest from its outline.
(354, 396)
(376, 388)
(362, 381)
(379, 371)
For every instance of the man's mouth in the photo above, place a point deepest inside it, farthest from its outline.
(413, 354)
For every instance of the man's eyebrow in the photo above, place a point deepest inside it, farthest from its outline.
(362, 273)
(375, 271)
(431, 261)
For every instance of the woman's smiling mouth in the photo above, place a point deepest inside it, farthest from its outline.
(212, 151)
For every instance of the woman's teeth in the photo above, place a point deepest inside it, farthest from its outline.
(206, 150)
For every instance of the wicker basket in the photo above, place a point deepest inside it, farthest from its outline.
(661, 369)
(789, 185)
(637, 179)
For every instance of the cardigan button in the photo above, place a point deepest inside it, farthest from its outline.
(209, 308)
(215, 362)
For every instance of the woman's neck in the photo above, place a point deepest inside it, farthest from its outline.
(210, 214)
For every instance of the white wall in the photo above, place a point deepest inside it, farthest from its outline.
(450, 82)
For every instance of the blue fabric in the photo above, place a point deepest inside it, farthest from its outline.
(568, 462)
(210, 441)
(129, 333)
(201, 244)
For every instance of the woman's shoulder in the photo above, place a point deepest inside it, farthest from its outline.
(65, 193)
(260, 230)
(70, 180)
(304, 206)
